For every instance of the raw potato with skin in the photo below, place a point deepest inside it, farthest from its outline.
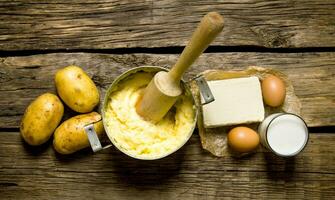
(76, 89)
(41, 118)
(70, 136)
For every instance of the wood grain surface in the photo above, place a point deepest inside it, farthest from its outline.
(190, 173)
(95, 24)
(38, 37)
(24, 78)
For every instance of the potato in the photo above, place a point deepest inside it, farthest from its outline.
(76, 89)
(41, 118)
(70, 136)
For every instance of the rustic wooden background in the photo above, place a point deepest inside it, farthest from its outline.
(108, 37)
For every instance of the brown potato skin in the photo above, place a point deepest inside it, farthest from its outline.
(70, 136)
(41, 118)
(76, 89)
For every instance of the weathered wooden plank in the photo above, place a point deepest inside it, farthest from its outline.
(95, 24)
(190, 173)
(24, 78)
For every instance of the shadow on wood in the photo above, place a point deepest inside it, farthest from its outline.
(126, 171)
(141, 173)
(75, 157)
(36, 150)
(279, 168)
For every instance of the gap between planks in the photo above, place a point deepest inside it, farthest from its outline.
(169, 50)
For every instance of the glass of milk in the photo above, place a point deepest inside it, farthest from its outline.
(284, 134)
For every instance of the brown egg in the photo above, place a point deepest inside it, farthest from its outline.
(274, 91)
(243, 139)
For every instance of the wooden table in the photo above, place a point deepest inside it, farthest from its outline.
(109, 37)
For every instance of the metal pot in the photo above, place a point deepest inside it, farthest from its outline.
(94, 140)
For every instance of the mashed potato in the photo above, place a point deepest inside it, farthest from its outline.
(140, 138)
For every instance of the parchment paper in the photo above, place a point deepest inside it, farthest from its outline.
(214, 140)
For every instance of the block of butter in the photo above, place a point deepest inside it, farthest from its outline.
(237, 101)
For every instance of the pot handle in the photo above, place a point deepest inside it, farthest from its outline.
(204, 89)
(94, 139)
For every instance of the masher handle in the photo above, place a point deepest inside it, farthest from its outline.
(209, 27)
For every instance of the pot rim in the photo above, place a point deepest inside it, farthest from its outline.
(126, 74)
